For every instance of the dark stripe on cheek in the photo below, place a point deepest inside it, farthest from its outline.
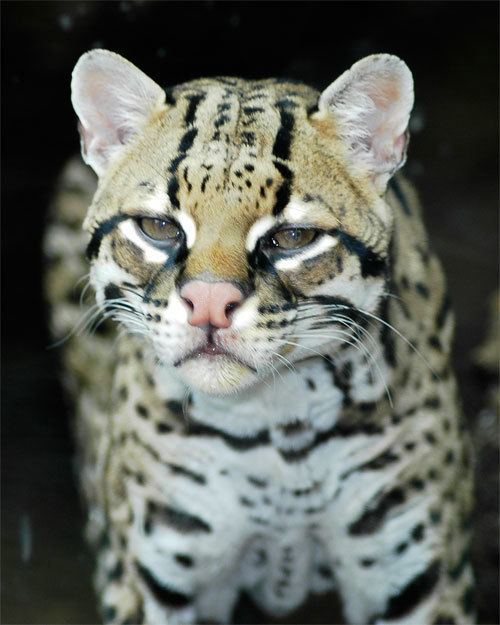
(100, 232)
(371, 263)
(181, 521)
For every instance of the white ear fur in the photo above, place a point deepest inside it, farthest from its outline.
(113, 100)
(372, 103)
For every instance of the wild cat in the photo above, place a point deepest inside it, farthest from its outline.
(270, 406)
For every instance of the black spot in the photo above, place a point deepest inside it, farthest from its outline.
(435, 517)
(450, 457)
(115, 574)
(256, 481)
(248, 138)
(435, 343)
(430, 438)
(142, 411)
(293, 428)
(162, 593)
(432, 402)
(310, 383)
(409, 445)
(111, 291)
(175, 407)
(418, 532)
(204, 183)
(191, 475)
(108, 613)
(249, 110)
(374, 516)
(417, 483)
(163, 428)
(367, 562)
(422, 290)
(401, 548)
(405, 282)
(248, 183)
(123, 393)
(413, 593)
(246, 502)
(184, 560)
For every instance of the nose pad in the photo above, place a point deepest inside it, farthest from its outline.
(211, 302)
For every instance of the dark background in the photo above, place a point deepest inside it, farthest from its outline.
(452, 49)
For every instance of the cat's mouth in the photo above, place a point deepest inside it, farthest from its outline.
(212, 352)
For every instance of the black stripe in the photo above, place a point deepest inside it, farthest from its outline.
(194, 101)
(372, 518)
(185, 144)
(283, 139)
(283, 193)
(180, 520)
(413, 593)
(381, 461)
(372, 264)
(162, 593)
(240, 443)
(401, 197)
(100, 232)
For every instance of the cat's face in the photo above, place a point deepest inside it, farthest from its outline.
(233, 233)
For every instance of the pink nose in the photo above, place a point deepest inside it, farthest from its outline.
(211, 302)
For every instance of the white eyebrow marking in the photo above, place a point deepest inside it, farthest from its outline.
(325, 242)
(157, 202)
(296, 211)
(189, 227)
(151, 254)
(259, 228)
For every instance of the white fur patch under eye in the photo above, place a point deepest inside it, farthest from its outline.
(324, 243)
(258, 229)
(189, 228)
(151, 253)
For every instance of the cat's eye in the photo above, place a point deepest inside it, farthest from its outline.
(293, 238)
(161, 230)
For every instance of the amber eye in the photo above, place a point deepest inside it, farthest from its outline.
(160, 229)
(293, 238)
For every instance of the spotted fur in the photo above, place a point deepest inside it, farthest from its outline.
(329, 450)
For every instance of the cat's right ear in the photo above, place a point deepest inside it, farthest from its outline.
(113, 100)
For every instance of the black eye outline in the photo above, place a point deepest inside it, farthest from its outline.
(270, 245)
(177, 241)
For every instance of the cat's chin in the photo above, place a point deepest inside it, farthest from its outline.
(216, 375)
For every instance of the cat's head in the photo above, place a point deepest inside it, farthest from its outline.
(240, 226)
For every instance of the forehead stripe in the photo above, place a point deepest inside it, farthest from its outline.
(185, 144)
(194, 101)
(283, 140)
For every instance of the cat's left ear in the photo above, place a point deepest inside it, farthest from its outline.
(371, 105)
(114, 101)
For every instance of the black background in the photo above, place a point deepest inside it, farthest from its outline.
(452, 49)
